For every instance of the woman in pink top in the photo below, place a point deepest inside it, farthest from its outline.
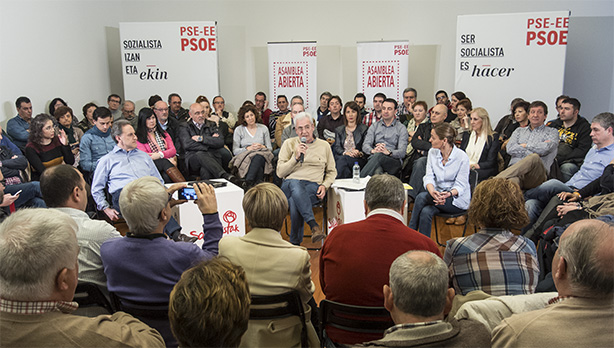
(157, 143)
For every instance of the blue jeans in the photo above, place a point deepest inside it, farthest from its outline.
(537, 198)
(30, 195)
(301, 195)
(425, 210)
(568, 170)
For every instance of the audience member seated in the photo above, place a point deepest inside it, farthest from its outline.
(574, 135)
(96, 142)
(581, 314)
(446, 181)
(5, 201)
(38, 277)
(452, 111)
(308, 170)
(55, 104)
(45, 149)
(282, 106)
(356, 257)
(322, 110)
(88, 117)
(113, 103)
(201, 140)
(273, 267)
(567, 207)
(421, 144)
(262, 104)
(419, 117)
(494, 260)
(225, 132)
(349, 138)
(361, 99)
(283, 121)
(119, 167)
(505, 127)
(329, 123)
(375, 115)
(602, 134)
(176, 111)
(144, 266)
(64, 118)
(289, 131)
(405, 110)
(12, 162)
(481, 145)
(252, 147)
(533, 150)
(168, 124)
(209, 305)
(225, 116)
(64, 189)
(385, 142)
(157, 143)
(18, 127)
(418, 298)
(462, 122)
(128, 114)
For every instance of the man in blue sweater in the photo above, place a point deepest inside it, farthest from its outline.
(96, 142)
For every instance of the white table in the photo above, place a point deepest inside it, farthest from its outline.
(346, 206)
(229, 199)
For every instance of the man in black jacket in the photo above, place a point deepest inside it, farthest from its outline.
(202, 141)
(574, 135)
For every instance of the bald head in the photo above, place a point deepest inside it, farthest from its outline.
(587, 247)
(439, 113)
(197, 113)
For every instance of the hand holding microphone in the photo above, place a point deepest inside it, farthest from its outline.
(301, 149)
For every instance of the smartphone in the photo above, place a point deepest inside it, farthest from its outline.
(187, 193)
(16, 193)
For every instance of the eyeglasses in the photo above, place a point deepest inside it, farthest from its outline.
(441, 98)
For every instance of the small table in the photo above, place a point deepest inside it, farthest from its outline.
(347, 205)
(229, 199)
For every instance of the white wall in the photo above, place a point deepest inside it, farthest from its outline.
(71, 48)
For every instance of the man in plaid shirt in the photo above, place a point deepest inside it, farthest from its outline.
(376, 114)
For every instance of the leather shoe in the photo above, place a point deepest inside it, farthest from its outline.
(233, 179)
(317, 234)
(451, 221)
(460, 220)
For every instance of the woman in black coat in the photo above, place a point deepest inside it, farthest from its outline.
(347, 147)
(481, 145)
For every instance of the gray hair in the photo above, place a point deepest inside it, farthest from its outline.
(419, 283)
(35, 244)
(130, 102)
(588, 252)
(117, 128)
(410, 89)
(297, 97)
(605, 120)
(385, 191)
(141, 202)
(302, 115)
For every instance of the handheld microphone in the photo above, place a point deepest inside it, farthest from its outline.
(302, 157)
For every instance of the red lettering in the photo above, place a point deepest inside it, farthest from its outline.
(551, 38)
(530, 37)
(200, 235)
(202, 44)
(563, 37)
(530, 22)
(181, 30)
(184, 43)
(209, 31)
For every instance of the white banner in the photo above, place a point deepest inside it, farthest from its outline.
(293, 71)
(169, 57)
(503, 56)
(383, 67)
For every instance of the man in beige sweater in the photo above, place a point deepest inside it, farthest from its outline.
(307, 166)
(583, 313)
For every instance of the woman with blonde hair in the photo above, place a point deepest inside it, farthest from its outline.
(494, 260)
(481, 145)
(273, 266)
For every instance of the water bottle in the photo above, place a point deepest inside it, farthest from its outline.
(356, 173)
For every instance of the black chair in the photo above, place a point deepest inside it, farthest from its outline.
(151, 313)
(354, 319)
(322, 204)
(473, 182)
(278, 307)
(90, 295)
